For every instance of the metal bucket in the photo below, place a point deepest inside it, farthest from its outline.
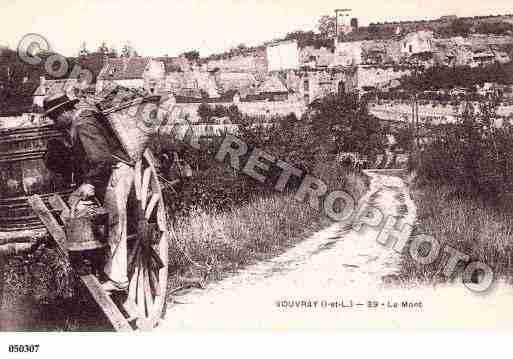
(87, 232)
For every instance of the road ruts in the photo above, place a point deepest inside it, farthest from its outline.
(344, 260)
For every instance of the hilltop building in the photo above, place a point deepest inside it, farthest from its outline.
(132, 72)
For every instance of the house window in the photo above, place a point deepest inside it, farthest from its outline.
(307, 99)
(411, 48)
(307, 86)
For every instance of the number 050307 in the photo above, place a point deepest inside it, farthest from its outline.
(24, 348)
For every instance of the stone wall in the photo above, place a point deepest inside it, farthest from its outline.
(254, 108)
(379, 76)
(254, 62)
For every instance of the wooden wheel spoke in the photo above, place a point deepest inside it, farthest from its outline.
(151, 205)
(161, 217)
(140, 290)
(145, 187)
(137, 179)
(133, 255)
(148, 257)
(154, 282)
(147, 292)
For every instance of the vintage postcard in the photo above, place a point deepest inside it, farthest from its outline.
(168, 166)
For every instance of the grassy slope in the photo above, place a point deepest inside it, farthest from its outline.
(482, 231)
(223, 241)
(265, 227)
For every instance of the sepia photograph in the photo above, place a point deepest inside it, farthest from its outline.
(168, 166)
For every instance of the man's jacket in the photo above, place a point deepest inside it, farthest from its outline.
(94, 150)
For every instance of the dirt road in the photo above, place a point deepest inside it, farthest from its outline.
(337, 264)
(320, 283)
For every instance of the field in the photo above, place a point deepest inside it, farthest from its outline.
(472, 226)
(210, 243)
(224, 241)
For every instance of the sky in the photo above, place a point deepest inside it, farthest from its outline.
(170, 27)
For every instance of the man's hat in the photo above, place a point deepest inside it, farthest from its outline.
(52, 103)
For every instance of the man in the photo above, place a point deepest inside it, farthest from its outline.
(102, 169)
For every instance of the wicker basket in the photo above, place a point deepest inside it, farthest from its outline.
(135, 123)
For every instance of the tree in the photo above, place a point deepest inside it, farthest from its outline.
(83, 49)
(473, 154)
(204, 112)
(304, 38)
(219, 111)
(345, 125)
(497, 28)
(192, 55)
(327, 26)
(128, 50)
(461, 27)
(103, 49)
(234, 114)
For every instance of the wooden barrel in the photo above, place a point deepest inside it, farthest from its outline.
(23, 173)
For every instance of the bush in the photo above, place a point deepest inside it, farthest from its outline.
(474, 154)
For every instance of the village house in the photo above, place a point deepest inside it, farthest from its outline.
(379, 76)
(48, 88)
(243, 82)
(175, 64)
(142, 73)
(348, 53)
(309, 85)
(311, 57)
(482, 56)
(417, 43)
(273, 88)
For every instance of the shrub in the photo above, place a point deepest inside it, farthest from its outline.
(473, 154)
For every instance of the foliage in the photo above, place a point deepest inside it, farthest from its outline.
(207, 113)
(475, 154)
(469, 225)
(496, 28)
(128, 50)
(309, 38)
(327, 26)
(192, 55)
(204, 112)
(460, 27)
(441, 77)
(343, 124)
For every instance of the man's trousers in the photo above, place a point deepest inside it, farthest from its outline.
(116, 198)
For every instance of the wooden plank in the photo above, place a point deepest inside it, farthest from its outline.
(107, 305)
(50, 223)
(58, 204)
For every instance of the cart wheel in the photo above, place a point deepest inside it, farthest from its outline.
(148, 252)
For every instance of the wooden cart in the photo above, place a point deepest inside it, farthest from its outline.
(144, 304)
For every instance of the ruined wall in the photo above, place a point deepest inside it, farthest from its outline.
(379, 76)
(256, 108)
(348, 53)
(255, 62)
